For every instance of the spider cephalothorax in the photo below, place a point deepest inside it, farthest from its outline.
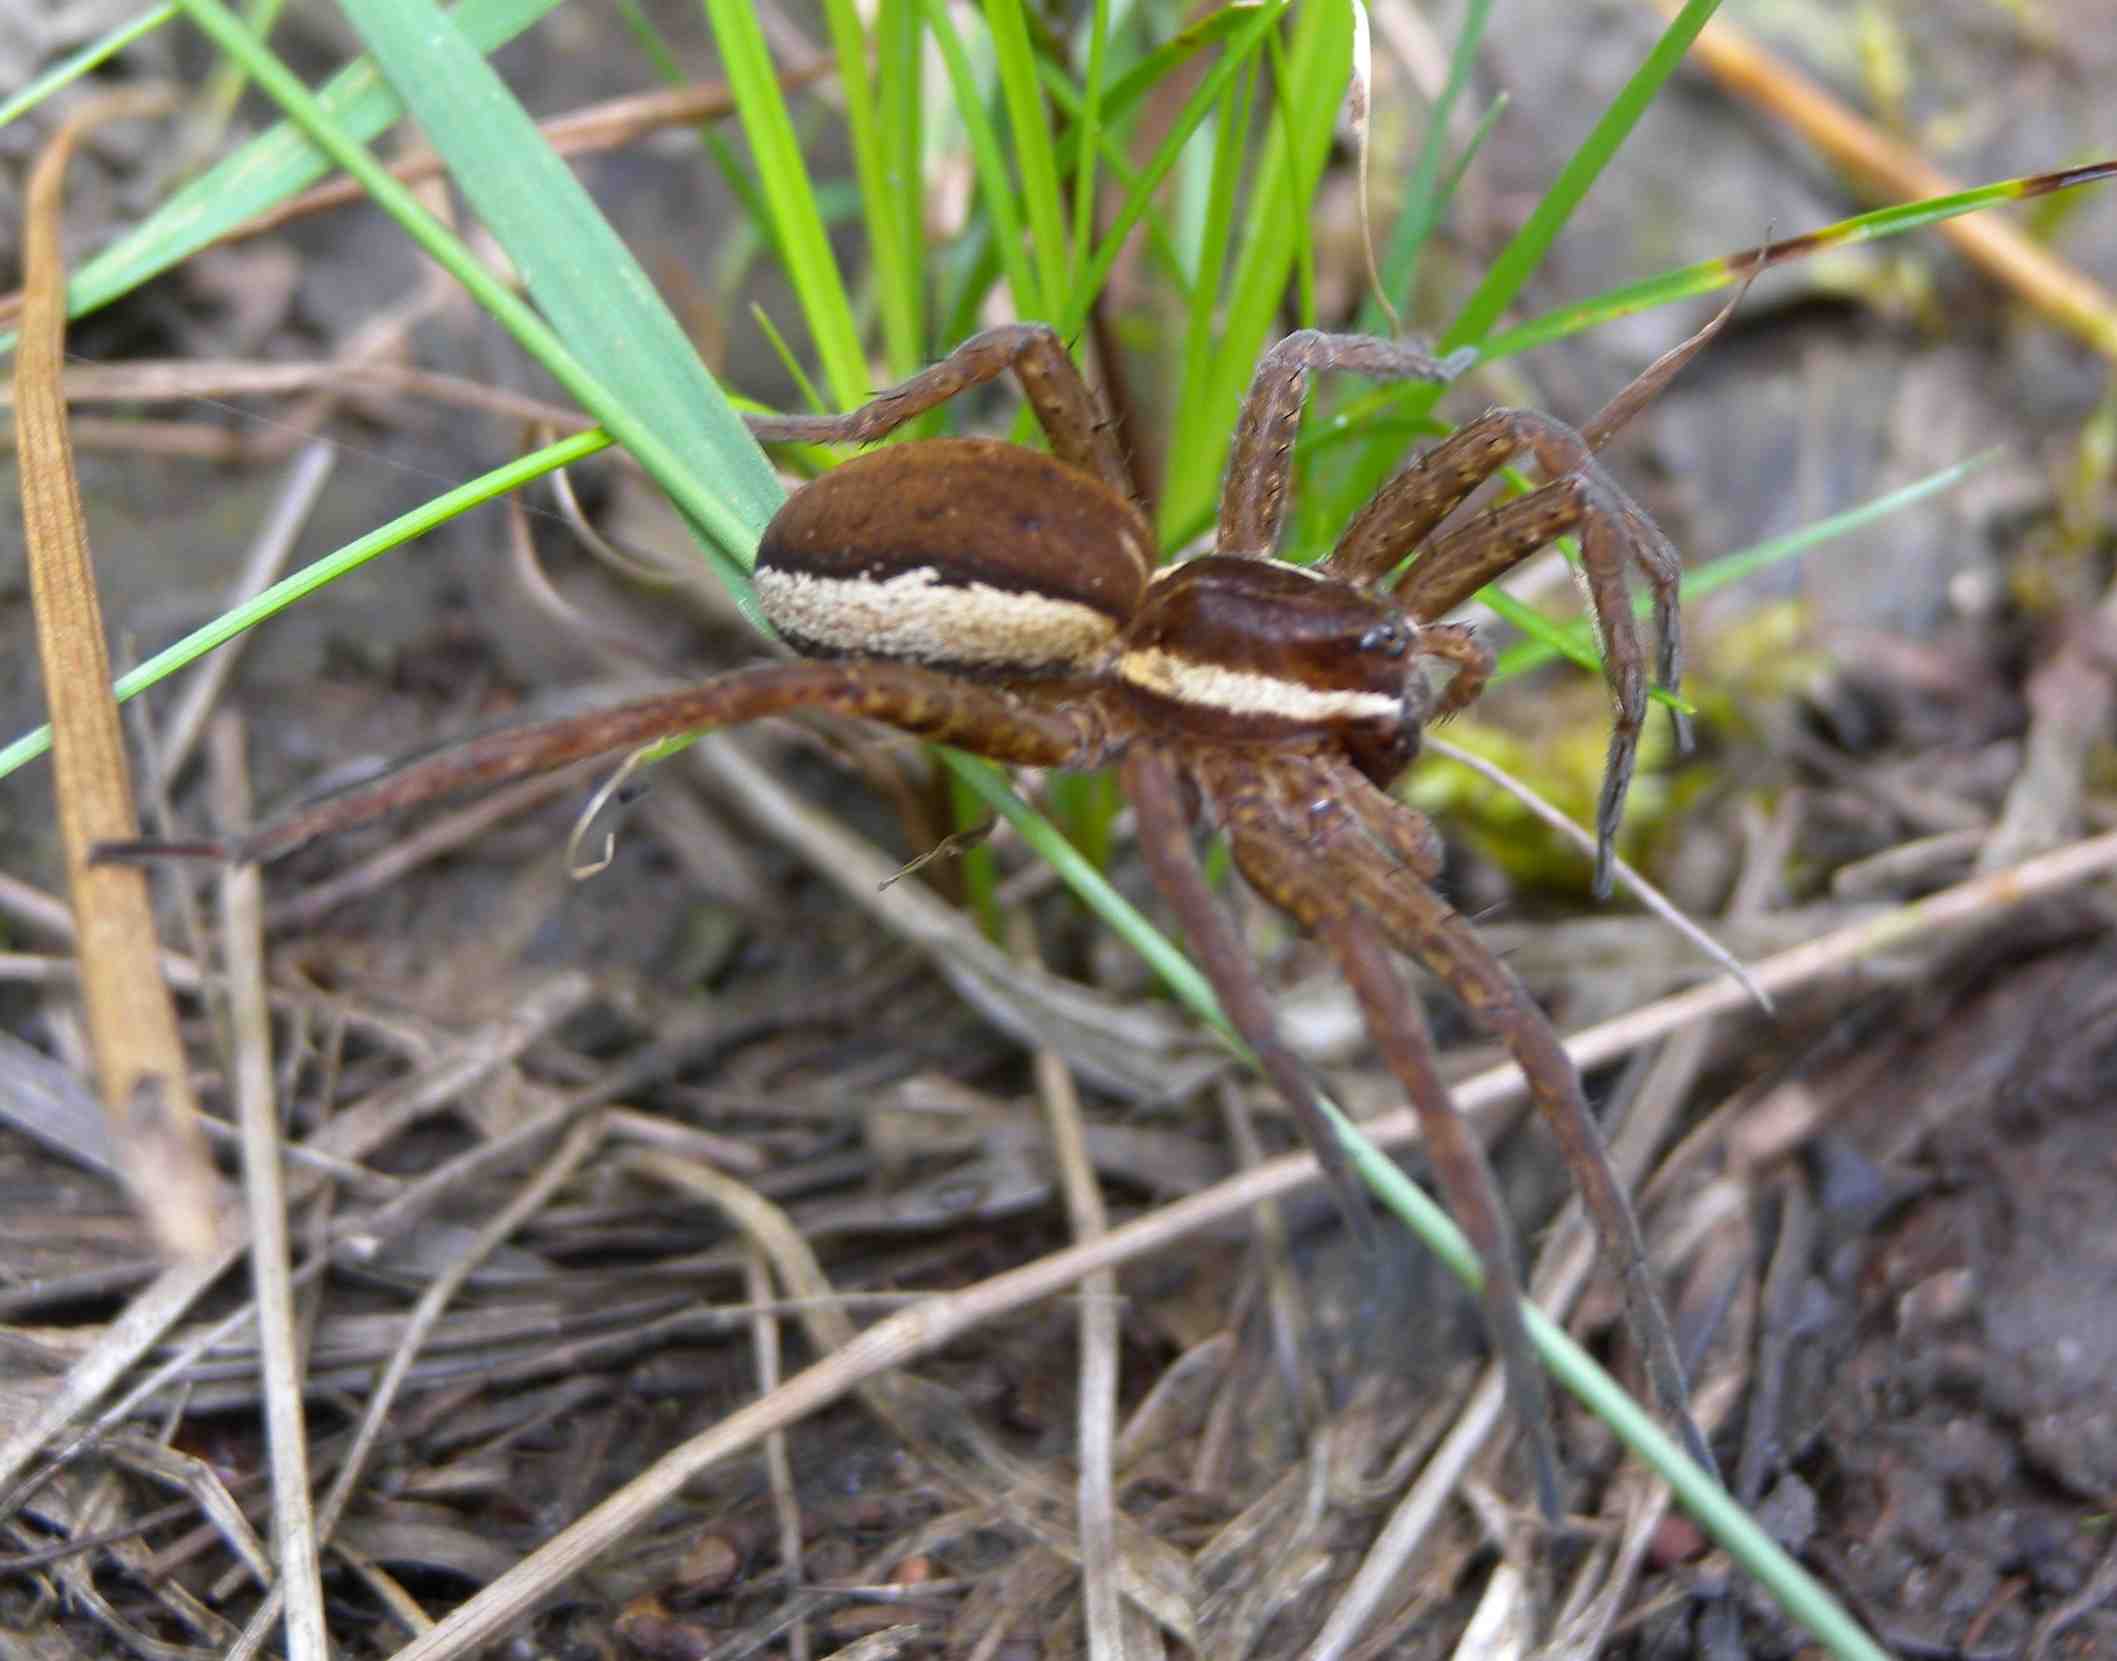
(1008, 602)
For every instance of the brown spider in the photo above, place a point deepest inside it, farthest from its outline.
(1008, 602)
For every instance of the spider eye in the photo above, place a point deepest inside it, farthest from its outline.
(1385, 638)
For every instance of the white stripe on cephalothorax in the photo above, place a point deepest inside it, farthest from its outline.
(1162, 573)
(1249, 692)
(915, 617)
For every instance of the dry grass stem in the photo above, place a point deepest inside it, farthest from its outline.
(339, 378)
(939, 1320)
(610, 125)
(269, 552)
(140, 1067)
(2067, 297)
(779, 1467)
(1096, 1391)
(281, 1362)
(124, 1343)
(1628, 876)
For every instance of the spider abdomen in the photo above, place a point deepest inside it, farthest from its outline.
(1254, 649)
(963, 554)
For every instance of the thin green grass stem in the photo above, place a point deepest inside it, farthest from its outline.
(406, 527)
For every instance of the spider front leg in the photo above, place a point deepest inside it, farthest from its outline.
(1580, 497)
(1151, 785)
(1066, 408)
(1274, 855)
(1340, 810)
(939, 707)
(1261, 459)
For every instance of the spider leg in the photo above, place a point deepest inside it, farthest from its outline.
(914, 700)
(1426, 928)
(1152, 786)
(1406, 510)
(1580, 497)
(1611, 530)
(1405, 836)
(1066, 408)
(1276, 856)
(1253, 504)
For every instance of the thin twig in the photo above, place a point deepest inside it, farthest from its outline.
(269, 552)
(1097, 1406)
(1648, 895)
(300, 1580)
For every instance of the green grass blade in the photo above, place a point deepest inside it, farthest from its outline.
(299, 585)
(1073, 104)
(1425, 197)
(900, 65)
(1319, 61)
(1216, 234)
(898, 287)
(1089, 132)
(995, 187)
(608, 327)
(1303, 252)
(89, 58)
(1525, 250)
(1240, 52)
(1576, 640)
(1035, 162)
(647, 35)
(1708, 275)
(990, 785)
(269, 169)
(1381, 408)
(784, 175)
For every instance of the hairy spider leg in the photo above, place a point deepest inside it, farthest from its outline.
(1068, 410)
(1411, 505)
(1152, 786)
(1404, 834)
(1579, 497)
(1261, 458)
(918, 701)
(1272, 849)
(1427, 929)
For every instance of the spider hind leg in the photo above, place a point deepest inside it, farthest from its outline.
(901, 695)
